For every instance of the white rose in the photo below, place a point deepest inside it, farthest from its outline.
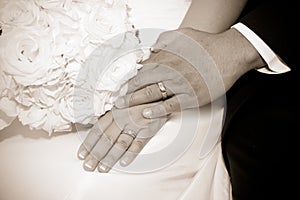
(8, 111)
(53, 4)
(45, 119)
(123, 67)
(68, 46)
(5, 120)
(8, 107)
(118, 73)
(83, 106)
(99, 82)
(104, 22)
(51, 102)
(42, 96)
(50, 108)
(19, 13)
(65, 107)
(102, 102)
(67, 34)
(26, 54)
(8, 86)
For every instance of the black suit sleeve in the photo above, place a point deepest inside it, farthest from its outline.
(276, 24)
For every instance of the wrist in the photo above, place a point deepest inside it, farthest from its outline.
(232, 53)
(246, 53)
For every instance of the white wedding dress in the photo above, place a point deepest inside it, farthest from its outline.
(35, 166)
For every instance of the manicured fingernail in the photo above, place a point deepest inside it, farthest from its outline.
(154, 49)
(124, 161)
(158, 111)
(147, 113)
(120, 102)
(83, 153)
(90, 165)
(103, 168)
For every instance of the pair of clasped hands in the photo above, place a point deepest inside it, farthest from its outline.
(187, 68)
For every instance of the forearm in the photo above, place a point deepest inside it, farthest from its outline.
(212, 15)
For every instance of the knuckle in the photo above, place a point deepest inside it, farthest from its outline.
(137, 80)
(88, 144)
(97, 155)
(109, 138)
(171, 105)
(164, 35)
(150, 92)
(137, 146)
(122, 144)
(99, 131)
(179, 81)
(186, 30)
(132, 99)
(96, 131)
(161, 37)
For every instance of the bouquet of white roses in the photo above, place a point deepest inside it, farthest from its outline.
(44, 46)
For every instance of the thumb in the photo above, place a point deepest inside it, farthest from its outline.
(162, 109)
(162, 41)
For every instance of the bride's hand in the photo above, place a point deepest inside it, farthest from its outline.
(119, 135)
(190, 68)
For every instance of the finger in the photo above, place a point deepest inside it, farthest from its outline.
(163, 40)
(164, 108)
(144, 78)
(83, 150)
(148, 94)
(102, 147)
(94, 135)
(133, 151)
(90, 163)
(121, 145)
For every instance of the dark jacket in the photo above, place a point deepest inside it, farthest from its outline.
(259, 137)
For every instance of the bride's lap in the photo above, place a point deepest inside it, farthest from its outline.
(37, 166)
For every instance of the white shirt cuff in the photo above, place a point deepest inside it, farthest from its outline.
(274, 64)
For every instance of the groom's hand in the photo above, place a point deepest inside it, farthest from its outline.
(189, 68)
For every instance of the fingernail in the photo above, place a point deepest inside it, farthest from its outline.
(147, 113)
(120, 102)
(103, 168)
(125, 161)
(154, 49)
(158, 111)
(83, 153)
(90, 165)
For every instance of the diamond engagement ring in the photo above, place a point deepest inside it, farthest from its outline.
(163, 90)
(130, 132)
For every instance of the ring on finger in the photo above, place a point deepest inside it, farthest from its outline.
(129, 132)
(163, 90)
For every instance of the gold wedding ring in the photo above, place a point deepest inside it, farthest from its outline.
(129, 132)
(163, 90)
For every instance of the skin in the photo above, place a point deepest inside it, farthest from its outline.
(231, 62)
(212, 16)
(225, 50)
(106, 144)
